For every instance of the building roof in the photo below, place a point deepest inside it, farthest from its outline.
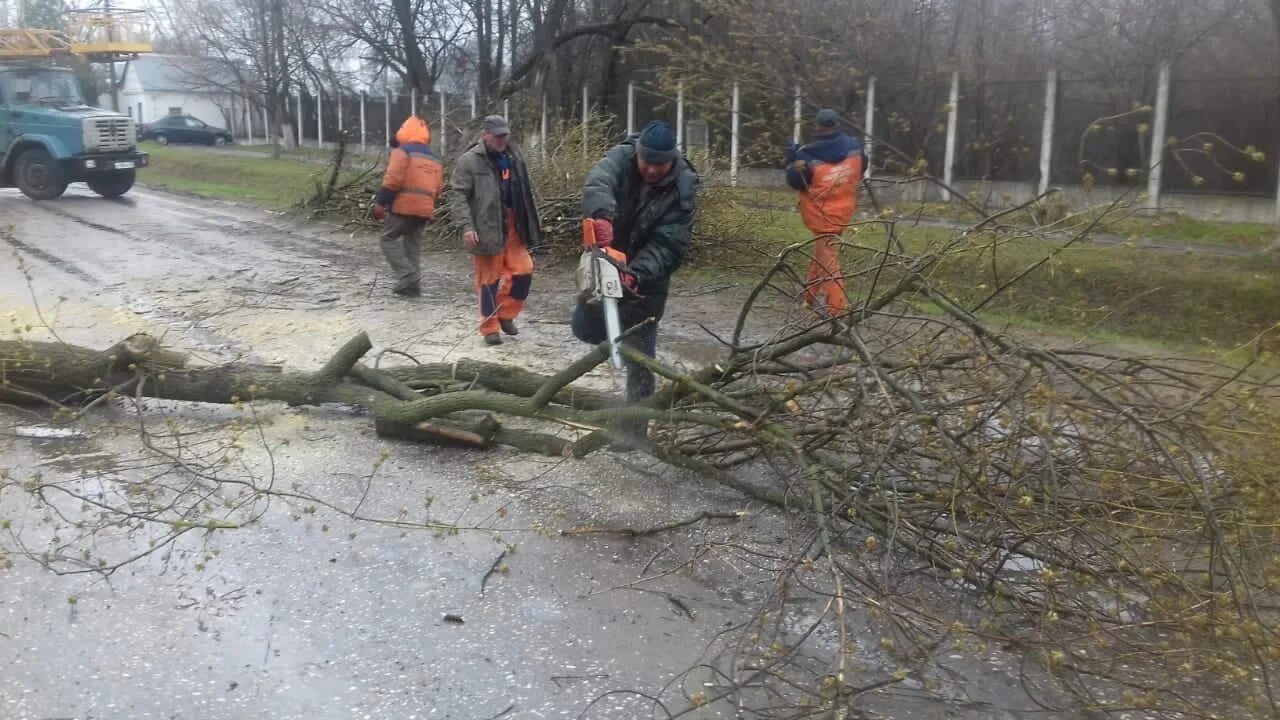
(185, 74)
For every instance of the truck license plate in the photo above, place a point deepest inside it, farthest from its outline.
(126, 165)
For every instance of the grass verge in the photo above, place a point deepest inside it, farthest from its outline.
(1171, 228)
(262, 181)
(1183, 299)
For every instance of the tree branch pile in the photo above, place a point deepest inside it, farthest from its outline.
(1113, 518)
(556, 175)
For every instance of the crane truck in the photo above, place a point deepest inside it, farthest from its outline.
(49, 136)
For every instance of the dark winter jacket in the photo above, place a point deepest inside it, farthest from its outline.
(652, 224)
(476, 197)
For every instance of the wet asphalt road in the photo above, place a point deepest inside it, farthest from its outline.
(307, 613)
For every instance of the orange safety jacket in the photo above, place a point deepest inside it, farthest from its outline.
(828, 205)
(414, 176)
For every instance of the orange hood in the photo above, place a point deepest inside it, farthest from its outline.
(414, 130)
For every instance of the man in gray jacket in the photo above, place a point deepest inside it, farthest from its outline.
(492, 196)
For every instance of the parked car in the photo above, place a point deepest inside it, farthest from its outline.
(183, 129)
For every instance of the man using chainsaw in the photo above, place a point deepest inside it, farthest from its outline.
(490, 184)
(826, 172)
(407, 201)
(639, 205)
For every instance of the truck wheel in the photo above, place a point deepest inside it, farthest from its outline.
(39, 176)
(162, 139)
(112, 184)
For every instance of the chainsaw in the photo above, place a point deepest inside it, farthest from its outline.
(600, 283)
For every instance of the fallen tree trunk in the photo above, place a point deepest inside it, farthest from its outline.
(61, 374)
(64, 373)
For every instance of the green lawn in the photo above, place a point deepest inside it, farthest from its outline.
(261, 181)
(1186, 299)
(1169, 227)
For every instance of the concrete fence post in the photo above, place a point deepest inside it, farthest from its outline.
(586, 116)
(733, 138)
(1046, 131)
(386, 119)
(680, 116)
(1159, 130)
(1277, 215)
(320, 117)
(506, 110)
(364, 133)
(413, 101)
(869, 124)
(444, 124)
(953, 105)
(298, 110)
(631, 108)
(795, 118)
(473, 104)
(341, 127)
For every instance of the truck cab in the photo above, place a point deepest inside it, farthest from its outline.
(49, 137)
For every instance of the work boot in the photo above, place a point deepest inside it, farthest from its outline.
(409, 291)
(509, 327)
(493, 339)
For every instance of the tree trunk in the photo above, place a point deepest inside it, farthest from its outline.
(443, 403)
(415, 63)
(282, 74)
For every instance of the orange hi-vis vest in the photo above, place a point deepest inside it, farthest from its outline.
(827, 206)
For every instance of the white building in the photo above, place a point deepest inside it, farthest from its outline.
(154, 86)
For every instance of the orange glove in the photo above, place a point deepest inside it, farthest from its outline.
(630, 281)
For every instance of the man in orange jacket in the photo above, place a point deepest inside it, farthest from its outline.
(826, 172)
(409, 189)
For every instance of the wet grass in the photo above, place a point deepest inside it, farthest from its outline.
(1183, 299)
(1131, 223)
(260, 181)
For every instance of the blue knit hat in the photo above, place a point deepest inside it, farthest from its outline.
(827, 122)
(658, 143)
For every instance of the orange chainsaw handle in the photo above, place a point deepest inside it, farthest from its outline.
(589, 242)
